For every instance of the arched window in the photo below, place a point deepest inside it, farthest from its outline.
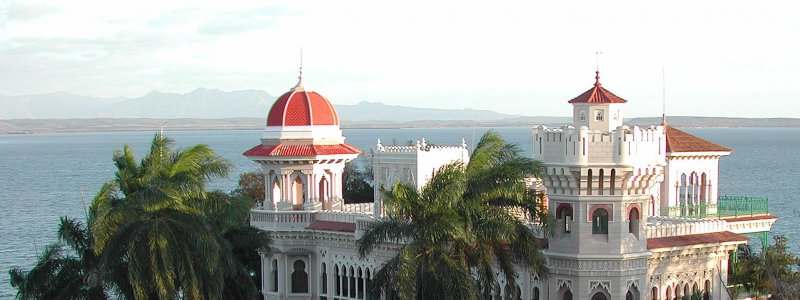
(682, 190)
(536, 294)
(633, 221)
(654, 294)
(565, 214)
(337, 281)
(600, 221)
(299, 193)
(567, 295)
(600, 182)
(669, 294)
(367, 281)
(274, 286)
(707, 290)
(589, 179)
(629, 296)
(360, 284)
(276, 191)
(703, 189)
(323, 190)
(612, 181)
(686, 290)
(299, 277)
(352, 281)
(323, 279)
(599, 296)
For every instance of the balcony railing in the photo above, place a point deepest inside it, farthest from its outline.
(726, 206)
(298, 219)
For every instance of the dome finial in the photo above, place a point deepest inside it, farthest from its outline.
(597, 78)
(299, 86)
(597, 68)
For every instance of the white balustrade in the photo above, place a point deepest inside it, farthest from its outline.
(666, 226)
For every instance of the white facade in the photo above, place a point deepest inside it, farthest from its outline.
(609, 186)
(413, 165)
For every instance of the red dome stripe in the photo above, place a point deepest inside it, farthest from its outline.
(323, 105)
(297, 111)
(275, 116)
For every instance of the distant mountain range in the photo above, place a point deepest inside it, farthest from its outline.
(216, 109)
(200, 103)
(209, 104)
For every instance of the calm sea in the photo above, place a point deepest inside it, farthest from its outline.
(44, 176)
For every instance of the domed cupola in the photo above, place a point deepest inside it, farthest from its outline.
(298, 107)
(302, 153)
(302, 117)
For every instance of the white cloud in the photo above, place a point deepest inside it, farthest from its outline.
(512, 57)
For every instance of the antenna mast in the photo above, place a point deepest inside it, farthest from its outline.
(663, 97)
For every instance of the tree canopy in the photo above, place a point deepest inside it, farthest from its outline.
(154, 231)
(467, 220)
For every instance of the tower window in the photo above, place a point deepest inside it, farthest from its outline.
(633, 221)
(582, 115)
(565, 214)
(600, 221)
(598, 115)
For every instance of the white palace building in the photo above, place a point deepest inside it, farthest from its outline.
(638, 211)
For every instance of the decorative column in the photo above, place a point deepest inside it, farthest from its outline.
(268, 203)
(286, 200)
(310, 203)
(334, 190)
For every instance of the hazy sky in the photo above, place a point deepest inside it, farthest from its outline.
(722, 58)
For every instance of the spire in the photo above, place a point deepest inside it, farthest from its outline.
(597, 78)
(299, 86)
(597, 68)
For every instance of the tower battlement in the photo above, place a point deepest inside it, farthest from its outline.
(624, 146)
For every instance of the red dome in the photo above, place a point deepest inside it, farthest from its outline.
(300, 108)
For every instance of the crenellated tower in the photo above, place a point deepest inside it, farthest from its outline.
(600, 177)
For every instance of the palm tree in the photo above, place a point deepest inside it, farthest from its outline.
(62, 274)
(466, 221)
(154, 232)
(151, 215)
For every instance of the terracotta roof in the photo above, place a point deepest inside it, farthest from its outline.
(597, 94)
(333, 226)
(300, 108)
(695, 239)
(679, 141)
(301, 150)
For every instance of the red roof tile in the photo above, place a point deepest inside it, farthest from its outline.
(300, 108)
(679, 141)
(597, 94)
(301, 150)
(333, 226)
(695, 239)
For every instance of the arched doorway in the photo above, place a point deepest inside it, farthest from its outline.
(299, 277)
(599, 296)
(567, 295)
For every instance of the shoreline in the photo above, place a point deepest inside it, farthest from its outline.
(50, 126)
